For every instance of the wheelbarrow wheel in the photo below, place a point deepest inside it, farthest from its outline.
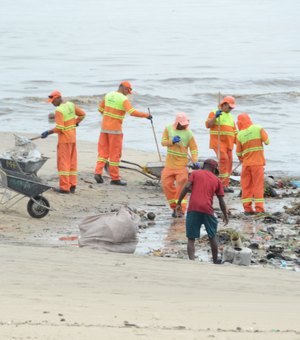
(39, 209)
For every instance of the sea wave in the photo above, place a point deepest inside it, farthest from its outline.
(141, 98)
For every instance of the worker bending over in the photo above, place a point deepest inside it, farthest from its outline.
(178, 139)
(67, 118)
(203, 185)
(222, 137)
(250, 151)
(113, 107)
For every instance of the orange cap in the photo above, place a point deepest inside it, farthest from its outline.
(54, 94)
(229, 100)
(126, 84)
(182, 119)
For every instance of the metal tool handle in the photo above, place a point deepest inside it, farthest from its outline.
(34, 138)
(219, 131)
(155, 136)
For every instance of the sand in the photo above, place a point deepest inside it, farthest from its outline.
(51, 289)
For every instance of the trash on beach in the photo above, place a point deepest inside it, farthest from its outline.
(296, 184)
(236, 240)
(294, 210)
(114, 231)
(269, 186)
(238, 256)
(69, 238)
(24, 151)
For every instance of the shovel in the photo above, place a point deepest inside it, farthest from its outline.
(34, 138)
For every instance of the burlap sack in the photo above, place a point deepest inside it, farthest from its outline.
(115, 231)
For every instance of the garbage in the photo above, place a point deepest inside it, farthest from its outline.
(151, 216)
(294, 210)
(115, 231)
(69, 238)
(241, 256)
(269, 190)
(296, 184)
(24, 151)
(236, 240)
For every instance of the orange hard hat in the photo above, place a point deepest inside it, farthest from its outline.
(126, 84)
(229, 100)
(54, 94)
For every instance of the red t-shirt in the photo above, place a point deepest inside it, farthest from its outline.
(204, 185)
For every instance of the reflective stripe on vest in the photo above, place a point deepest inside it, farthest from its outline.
(252, 133)
(226, 120)
(114, 105)
(185, 137)
(68, 111)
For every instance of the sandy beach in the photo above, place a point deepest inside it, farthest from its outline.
(52, 289)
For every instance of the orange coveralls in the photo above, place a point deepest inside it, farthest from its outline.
(113, 108)
(67, 115)
(227, 133)
(175, 173)
(249, 149)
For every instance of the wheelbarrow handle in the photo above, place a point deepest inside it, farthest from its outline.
(141, 172)
(131, 163)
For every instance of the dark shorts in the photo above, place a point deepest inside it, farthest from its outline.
(195, 219)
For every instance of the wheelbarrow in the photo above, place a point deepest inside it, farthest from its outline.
(30, 167)
(23, 184)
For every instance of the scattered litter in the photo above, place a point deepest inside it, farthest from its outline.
(296, 184)
(68, 238)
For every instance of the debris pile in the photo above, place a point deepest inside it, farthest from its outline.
(24, 151)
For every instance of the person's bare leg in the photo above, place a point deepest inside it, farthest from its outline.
(214, 249)
(191, 248)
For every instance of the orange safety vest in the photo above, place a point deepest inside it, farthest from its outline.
(228, 131)
(177, 154)
(65, 119)
(249, 146)
(113, 112)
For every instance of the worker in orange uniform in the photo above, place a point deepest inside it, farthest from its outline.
(67, 118)
(250, 151)
(113, 107)
(222, 137)
(179, 140)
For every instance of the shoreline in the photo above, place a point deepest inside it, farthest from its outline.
(51, 288)
(165, 237)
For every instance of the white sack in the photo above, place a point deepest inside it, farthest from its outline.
(115, 231)
(240, 257)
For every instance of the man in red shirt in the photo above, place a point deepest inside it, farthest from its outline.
(203, 185)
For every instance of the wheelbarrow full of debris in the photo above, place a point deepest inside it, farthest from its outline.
(18, 184)
(19, 179)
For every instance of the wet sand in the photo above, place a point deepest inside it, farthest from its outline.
(52, 289)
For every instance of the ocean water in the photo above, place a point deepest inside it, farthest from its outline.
(179, 56)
